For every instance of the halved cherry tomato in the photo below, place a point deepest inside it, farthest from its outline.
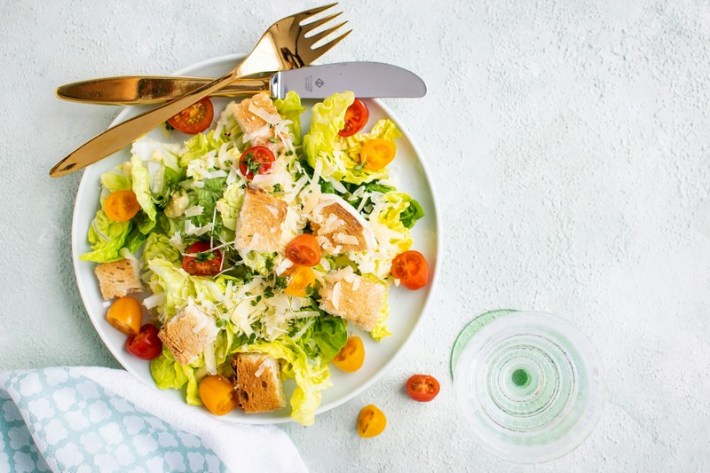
(376, 154)
(121, 206)
(371, 421)
(256, 160)
(422, 387)
(304, 249)
(356, 117)
(217, 394)
(351, 357)
(299, 278)
(411, 269)
(146, 344)
(195, 118)
(125, 315)
(200, 260)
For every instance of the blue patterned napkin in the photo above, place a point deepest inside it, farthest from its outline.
(99, 419)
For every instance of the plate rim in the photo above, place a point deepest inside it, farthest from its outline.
(120, 117)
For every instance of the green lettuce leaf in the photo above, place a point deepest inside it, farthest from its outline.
(158, 246)
(173, 281)
(167, 373)
(201, 144)
(230, 204)
(106, 238)
(290, 108)
(328, 118)
(141, 187)
(324, 338)
(116, 180)
(411, 214)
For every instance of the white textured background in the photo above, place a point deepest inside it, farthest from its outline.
(569, 143)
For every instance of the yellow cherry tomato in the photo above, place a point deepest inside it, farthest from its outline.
(371, 421)
(125, 315)
(376, 154)
(217, 394)
(299, 278)
(121, 206)
(351, 356)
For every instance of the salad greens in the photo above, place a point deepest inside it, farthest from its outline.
(195, 192)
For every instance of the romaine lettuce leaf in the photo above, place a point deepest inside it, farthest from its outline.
(106, 238)
(141, 187)
(290, 108)
(320, 143)
(159, 246)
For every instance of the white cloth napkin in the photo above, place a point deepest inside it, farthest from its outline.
(100, 419)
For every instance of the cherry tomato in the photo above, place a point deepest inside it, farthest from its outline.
(356, 117)
(217, 394)
(371, 421)
(146, 344)
(200, 261)
(422, 387)
(195, 118)
(299, 278)
(256, 160)
(304, 250)
(121, 206)
(351, 356)
(376, 154)
(125, 315)
(411, 269)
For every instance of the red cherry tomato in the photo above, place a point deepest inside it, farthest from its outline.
(256, 160)
(356, 117)
(422, 387)
(411, 269)
(304, 250)
(201, 260)
(195, 118)
(146, 344)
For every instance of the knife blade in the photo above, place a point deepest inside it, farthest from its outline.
(365, 79)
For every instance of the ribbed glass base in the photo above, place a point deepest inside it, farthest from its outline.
(527, 383)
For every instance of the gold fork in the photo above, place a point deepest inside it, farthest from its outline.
(284, 46)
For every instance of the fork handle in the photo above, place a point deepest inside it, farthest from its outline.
(125, 133)
(139, 90)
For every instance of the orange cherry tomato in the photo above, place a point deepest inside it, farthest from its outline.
(200, 261)
(351, 356)
(376, 154)
(304, 250)
(371, 421)
(195, 118)
(411, 269)
(217, 394)
(299, 278)
(356, 117)
(125, 315)
(121, 206)
(256, 160)
(422, 387)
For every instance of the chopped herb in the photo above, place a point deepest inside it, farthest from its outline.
(273, 139)
(268, 292)
(278, 188)
(280, 282)
(205, 256)
(269, 264)
(228, 162)
(289, 153)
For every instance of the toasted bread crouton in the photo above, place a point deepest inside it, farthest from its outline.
(353, 298)
(258, 383)
(118, 278)
(250, 122)
(259, 225)
(188, 333)
(339, 227)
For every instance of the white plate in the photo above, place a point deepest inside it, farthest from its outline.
(407, 307)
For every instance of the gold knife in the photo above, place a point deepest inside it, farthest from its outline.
(145, 90)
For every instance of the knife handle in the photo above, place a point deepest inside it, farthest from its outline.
(144, 90)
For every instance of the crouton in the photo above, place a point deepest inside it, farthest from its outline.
(118, 278)
(258, 383)
(250, 123)
(339, 227)
(259, 225)
(188, 333)
(353, 298)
